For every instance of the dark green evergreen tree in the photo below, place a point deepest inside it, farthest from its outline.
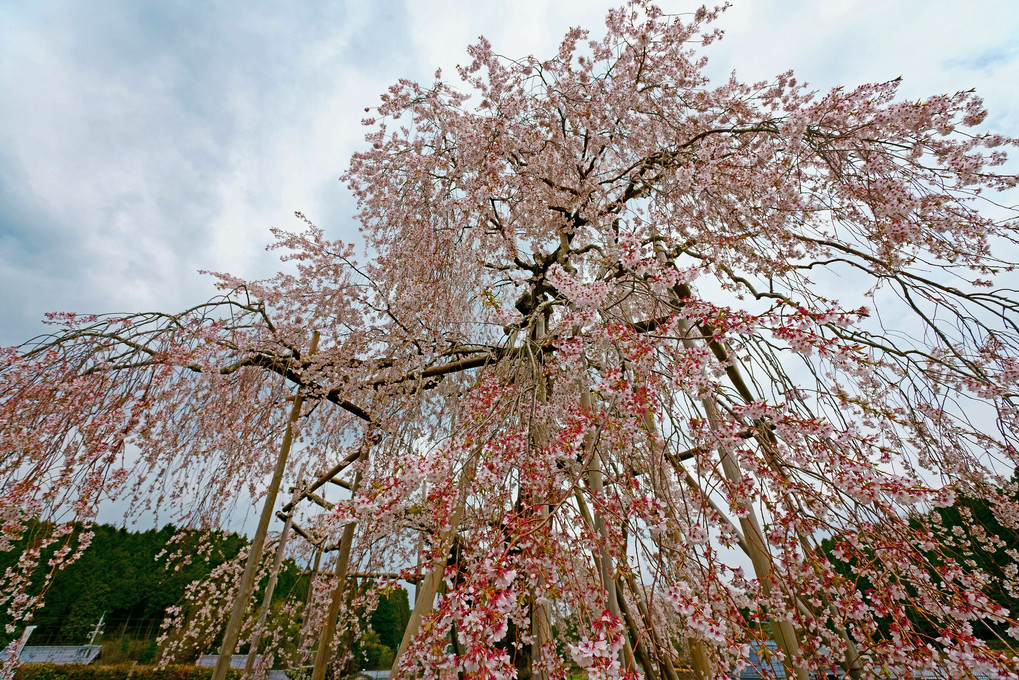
(390, 618)
(117, 576)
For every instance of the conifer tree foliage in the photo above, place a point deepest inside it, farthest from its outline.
(625, 347)
(120, 578)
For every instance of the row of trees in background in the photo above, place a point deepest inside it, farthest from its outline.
(976, 543)
(129, 579)
(119, 578)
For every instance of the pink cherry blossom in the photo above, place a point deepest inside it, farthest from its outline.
(613, 325)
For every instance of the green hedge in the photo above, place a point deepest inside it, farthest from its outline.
(77, 671)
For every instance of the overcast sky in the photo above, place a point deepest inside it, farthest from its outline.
(143, 140)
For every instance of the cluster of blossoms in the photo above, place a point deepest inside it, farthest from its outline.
(697, 614)
(598, 653)
(581, 365)
(189, 627)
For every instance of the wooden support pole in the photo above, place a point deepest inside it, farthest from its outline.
(422, 606)
(342, 483)
(541, 615)
(664, 652)
(541, 623)
(326, 476)
(296, 528)
(319, 501)
(781, 628)
(753, 537)
(325, 640)
(247, 584)
(603, 560)
(639, 648)
(263, 612)
(601, 557)
(853, 663)
(307, 602)
(426, 590)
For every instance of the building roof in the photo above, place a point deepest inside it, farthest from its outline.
(59, 654)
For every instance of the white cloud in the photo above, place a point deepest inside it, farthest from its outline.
(145, 141)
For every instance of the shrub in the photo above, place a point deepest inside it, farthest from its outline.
(49, 671)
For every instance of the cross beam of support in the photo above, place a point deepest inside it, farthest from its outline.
(328, 475)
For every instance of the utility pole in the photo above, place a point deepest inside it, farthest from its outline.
(98, 630)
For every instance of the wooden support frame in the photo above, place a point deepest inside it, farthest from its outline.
(233, 627)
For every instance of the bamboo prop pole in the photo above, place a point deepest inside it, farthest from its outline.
(307, 602)
(443, 590)
(760, 558)
(420, 549)
(422, 607)
(375, 575)
(853, 664)
(751, 540)
(664, 655)
(541, 615)
(703, 667)
(640, 648)
(424, 601)
(853, 661)
(325, 640)
(341, 483)
(541, 623)
(782, 629)
(244, 589)
(603, 560)
(598, 557)
(328, 475)
(296, 528)
(425, 590)
(263, 612)
(371, 575)
(318, 500)
(596, 482)
(700, 660)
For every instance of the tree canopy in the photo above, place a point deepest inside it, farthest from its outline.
(623, 348)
